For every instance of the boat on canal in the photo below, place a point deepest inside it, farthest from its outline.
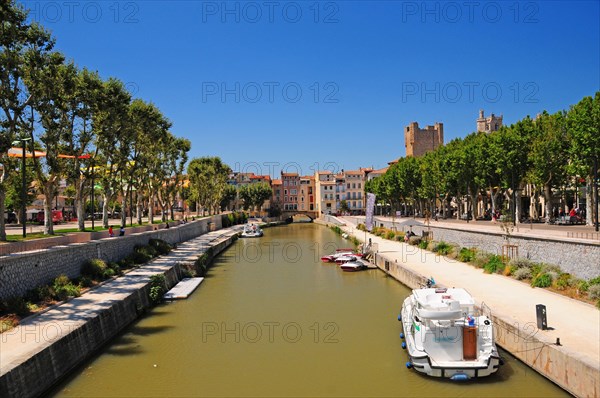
(353, 266)
(252, 231)
(339, 253)
(446, 337)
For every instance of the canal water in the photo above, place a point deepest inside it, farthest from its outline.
(272, 320)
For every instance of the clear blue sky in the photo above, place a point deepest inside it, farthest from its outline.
(229, 74)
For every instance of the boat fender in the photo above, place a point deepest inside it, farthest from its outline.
(487, 322)
(399, 317)
(401, 335)
(404, 345)
(501, 361)
(408, 365)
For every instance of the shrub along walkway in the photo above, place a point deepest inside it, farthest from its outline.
(38, 332)
(576, 323)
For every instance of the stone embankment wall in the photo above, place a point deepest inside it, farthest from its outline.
(20, 272)
(570, 373)
(62, 346)
(577, 257)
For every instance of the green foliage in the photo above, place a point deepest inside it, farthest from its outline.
(115, 267)
(108, 273)
(494, 265)
(423, 244)
(16, 305)
(64, 288)
(157, 288)
(39, 294)
(400, 236)
(148, 250)
(522, 273)
(481, 259)
(208, 180)
(466, 255)
(94, 268)
(361, 227)
(563, 281)
(86, 281)
(160, 246)
(442, 248)
(390, 235)
(138, 258)
(521, 263)
(542, 279)
(337, 229)
(594, 281)
(594, 292)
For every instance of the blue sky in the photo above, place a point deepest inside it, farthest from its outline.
(306, 85)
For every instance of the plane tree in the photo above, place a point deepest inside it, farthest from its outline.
(20, 40)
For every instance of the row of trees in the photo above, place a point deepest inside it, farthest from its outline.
(124, 144)
(210, 188)
(548, 153)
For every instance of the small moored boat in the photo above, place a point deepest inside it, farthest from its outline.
(353, 266)
(331, 258)
(445, 337)
(252, 231)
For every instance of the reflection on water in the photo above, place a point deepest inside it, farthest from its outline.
(272, 320)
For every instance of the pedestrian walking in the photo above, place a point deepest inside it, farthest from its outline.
(110, 231)
(122, 231)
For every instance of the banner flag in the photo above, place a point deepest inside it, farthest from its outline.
(370, 208)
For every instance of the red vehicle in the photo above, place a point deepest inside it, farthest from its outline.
(57, 217)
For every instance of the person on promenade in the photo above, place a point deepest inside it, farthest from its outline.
(110, 231)
(122, 231)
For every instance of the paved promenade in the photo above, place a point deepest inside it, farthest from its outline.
(38, 332)
(577, 324)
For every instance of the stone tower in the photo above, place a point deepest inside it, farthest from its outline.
(488, 124)
(419, 141)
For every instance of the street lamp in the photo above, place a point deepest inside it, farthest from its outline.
(596, 189)
(23, 142)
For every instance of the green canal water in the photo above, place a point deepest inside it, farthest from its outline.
(272, 320)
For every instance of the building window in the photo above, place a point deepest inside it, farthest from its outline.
(358, 186)
(293, 192)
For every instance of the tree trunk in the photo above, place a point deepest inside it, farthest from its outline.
(138, 209)
(548, 202)
(517, 205)
(124, 210)
(79, 204)
(151, 208)
(48, 226)
(105, 198)
(590, 201)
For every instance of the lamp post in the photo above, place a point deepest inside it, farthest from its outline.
(23, 142)
(596, 189)
(93, 194)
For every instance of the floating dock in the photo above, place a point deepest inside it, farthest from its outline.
(183, 289)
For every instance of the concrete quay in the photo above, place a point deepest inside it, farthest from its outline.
(574, 365)
(44, 348)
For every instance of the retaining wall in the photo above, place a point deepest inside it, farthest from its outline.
(20, 272)
(574, 256)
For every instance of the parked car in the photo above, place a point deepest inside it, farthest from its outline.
(10, 217)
